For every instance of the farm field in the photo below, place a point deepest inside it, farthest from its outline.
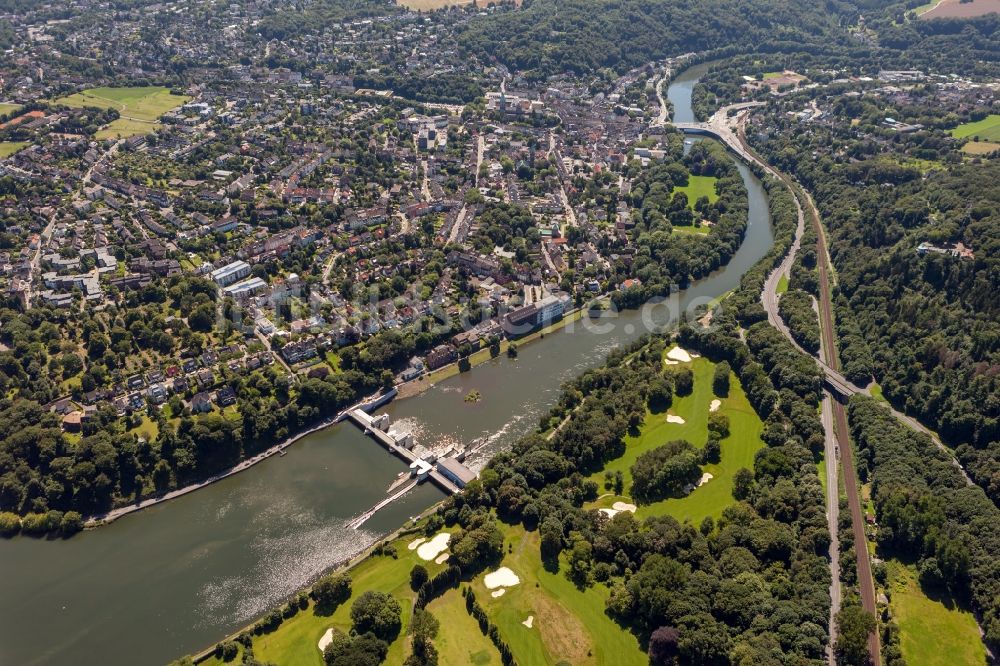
(431, 5)
(933, 632)
(8, 148)
(958, 9)
(738, 449)
(987, 129)
(980, 147)
(139, 108)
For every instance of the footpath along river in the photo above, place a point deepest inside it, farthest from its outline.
(174, 578)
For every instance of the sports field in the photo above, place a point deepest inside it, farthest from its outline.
(140, 108)
(987, 129)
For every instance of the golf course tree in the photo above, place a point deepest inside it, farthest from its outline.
(330, 591)
(665, 471)
(358, 650)
(378, 613)
(423, 629)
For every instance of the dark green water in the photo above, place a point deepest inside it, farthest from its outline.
(176, 578)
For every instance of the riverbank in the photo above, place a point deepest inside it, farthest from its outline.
(421, 384)
(92, 522)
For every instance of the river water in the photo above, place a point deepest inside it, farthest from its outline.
(177, 577)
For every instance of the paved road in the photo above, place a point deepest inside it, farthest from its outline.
(832, 517)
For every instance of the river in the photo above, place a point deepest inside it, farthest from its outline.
(177, 577)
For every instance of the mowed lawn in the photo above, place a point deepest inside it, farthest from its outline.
(932, 632)
(738, 449)
(697, 187)
(8, 148)
(140, 108)
(569, 625)
(987, 129)
(6, 108)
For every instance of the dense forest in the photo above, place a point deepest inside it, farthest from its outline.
(927, 325)
(579, 36)
(928, 514)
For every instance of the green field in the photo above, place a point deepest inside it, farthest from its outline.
(738, 449)
(6, 108)
(933, 632)
(8, 148)
(697, 187)
(139, 107)
(782, 284)
(987, 129)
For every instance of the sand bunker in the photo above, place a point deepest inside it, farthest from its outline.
(441, 559)
(714, 407)
(674, 419)
(671, 363)
(416, 542)
(705, 478)
(624, 506)
(430, 550)
(325, 640)
(611, 513)
(498, 593)
(502, 577)
(530, 621)
(680, 355)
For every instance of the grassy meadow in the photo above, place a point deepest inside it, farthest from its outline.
(933, 631)
(140, 108)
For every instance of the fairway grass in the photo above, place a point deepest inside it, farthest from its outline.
(738, 450)
(294, 643)
(570, 625)
(987, 129)
(459, 640)
(932, 632)
(139, 108)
